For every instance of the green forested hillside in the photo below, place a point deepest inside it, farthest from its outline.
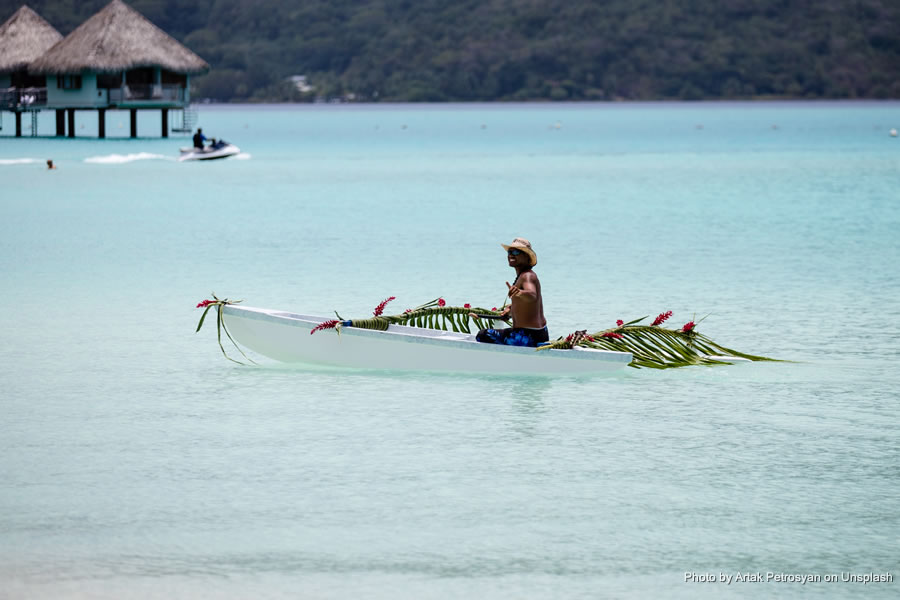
(463, 50)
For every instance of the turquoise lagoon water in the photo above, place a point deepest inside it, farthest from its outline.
(136, 462)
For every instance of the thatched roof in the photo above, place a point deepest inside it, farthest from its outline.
(24, 37)
(116, 39)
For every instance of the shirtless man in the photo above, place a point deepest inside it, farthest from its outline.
(529, 327)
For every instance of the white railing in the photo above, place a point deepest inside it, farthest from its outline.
(147, 92)
(23, 98)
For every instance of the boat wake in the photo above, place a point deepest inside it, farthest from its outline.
(19, 161)
(115, 159)
(243, 156)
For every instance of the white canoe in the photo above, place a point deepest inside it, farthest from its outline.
(285, 337)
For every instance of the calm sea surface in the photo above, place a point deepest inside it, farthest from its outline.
(136, 462)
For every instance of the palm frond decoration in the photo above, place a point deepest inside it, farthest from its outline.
(651, 346)
(431, 315)
(657, 347)
(217, 303)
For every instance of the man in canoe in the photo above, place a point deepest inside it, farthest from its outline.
(526, 308)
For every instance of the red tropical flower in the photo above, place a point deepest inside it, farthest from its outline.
(620, 322)
(442, 302)
(688, 327)
(494, 309)
(662, 317)
(331, 324)
(205, 303)
(467, 305)
(380, 308)
(612, 334)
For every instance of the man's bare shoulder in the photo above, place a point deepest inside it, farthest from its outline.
(528, 276)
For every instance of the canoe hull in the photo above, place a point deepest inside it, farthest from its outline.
(285, 337)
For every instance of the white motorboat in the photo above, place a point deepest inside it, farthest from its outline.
(221, 149)
(286, 337)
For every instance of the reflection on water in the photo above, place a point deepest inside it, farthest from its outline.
(527, 404)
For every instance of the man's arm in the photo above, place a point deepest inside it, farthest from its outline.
(524, 289)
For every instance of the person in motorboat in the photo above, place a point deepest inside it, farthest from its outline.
(526, 308)
(199, 138)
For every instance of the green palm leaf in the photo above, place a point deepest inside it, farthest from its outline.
(651, 346)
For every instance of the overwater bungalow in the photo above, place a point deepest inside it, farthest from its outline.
(117, 59)
(24, 37)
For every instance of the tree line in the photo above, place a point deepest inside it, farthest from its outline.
(483, 50)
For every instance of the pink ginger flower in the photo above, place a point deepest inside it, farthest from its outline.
(205, 303)
(442, 302)
(612, 334)
(331, 324)
(380, 308)
(494, 309)
(662, 317)
(467, 305)
(620, 322)
(688, 327)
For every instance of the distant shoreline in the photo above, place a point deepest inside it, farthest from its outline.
(552, 103)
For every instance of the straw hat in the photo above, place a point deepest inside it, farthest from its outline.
(523, 245)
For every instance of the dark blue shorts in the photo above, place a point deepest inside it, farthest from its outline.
(514, 336)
